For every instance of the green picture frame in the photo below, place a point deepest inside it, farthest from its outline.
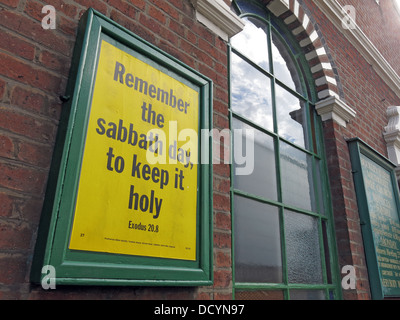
(80, 267)
(379, 207)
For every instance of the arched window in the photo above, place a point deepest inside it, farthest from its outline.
(283, 239)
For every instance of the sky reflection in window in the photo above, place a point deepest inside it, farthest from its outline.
(251, 93)
(253, 42)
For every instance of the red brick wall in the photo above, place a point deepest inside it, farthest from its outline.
(381, 24)
(34, 65)
(369, 96)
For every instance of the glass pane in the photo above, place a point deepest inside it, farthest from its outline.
(257, 242)
(302, 248)
(253, 42)
(307, 295)
(259, 295)
(291, 115)
(297, 181)
(284, 66)
(251, 93)
(262, 181)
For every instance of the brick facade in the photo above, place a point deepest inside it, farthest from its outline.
(34, 72)
(379, 23)
(34, 66)
(369, 96)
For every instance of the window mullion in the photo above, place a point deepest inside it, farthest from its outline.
(287, 88)
(251, 124)
(322, 252)
(255, 65)
(285, 276)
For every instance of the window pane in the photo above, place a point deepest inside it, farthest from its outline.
(259, 295)
(257, 242)
(284, 67)
(302, 248)
(253, 42)
(251, 93)
(307, 295)
(291, 115)
(262, 181)
(297, 181)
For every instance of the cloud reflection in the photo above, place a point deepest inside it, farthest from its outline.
(251, 89)
(251, 93)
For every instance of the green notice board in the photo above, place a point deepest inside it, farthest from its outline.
(128, 200)
(378, 202)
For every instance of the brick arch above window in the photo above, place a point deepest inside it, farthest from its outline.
(216, 15)
(300, 24)
(327, 83)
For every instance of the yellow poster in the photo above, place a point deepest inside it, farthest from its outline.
(137, 192)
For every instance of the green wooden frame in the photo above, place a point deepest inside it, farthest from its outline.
(331, 290)
(358, 148)
(93, 268)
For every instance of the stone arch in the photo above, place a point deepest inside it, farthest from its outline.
(292, 13)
